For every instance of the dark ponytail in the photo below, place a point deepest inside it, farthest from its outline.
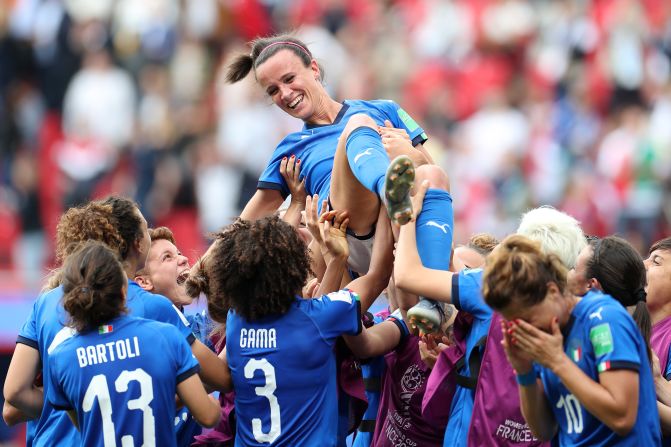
(263, 49)
(93, 286)
(239, 68)
(619, 268)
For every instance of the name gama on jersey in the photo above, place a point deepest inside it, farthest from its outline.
(258, 338)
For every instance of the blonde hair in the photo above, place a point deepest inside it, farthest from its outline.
(556, 231)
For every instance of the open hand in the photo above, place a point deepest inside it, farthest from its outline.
(334, 234)
(518, 359)
(395, 141)
(418, 198)
(430, 348)
(290, 171)
(543, 348)
(312, 217)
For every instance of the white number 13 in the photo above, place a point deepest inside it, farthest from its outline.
(98, 389)
(266, 391)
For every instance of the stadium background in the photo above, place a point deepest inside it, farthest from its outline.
(526, 102)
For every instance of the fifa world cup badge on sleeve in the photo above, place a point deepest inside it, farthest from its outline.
(344, 295)
(602, 339)
(410, 123)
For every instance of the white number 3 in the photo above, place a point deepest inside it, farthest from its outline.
(265, 391)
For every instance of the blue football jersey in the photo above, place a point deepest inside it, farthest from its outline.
(316, 145)
(601, 336)
(186, 427)
(45, 329)
(467, 297)
(121, 380)
(284, 371)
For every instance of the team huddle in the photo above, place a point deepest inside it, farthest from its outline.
(548, 337)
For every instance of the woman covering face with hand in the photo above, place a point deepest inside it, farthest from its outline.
(582, 365)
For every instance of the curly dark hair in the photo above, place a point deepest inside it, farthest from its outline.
(92, 221)
(256, 268)
(88, 222)
(93, 286)
(127, 221)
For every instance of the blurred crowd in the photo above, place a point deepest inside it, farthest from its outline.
(526, 102)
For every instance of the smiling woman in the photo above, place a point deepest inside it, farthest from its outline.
(344, 152)
(342, 155)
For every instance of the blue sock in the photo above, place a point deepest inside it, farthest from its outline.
(368, 159)
(435, 228)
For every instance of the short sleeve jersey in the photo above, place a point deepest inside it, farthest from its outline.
(284, 371)
(121, 379)
(315, 145)
(45, 329)
(600, 337)
(467, 297)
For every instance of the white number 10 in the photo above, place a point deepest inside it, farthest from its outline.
(266, 391)
(573, 412)
(98, 389)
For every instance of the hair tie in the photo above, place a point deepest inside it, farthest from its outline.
(641, 295)
(284, 42)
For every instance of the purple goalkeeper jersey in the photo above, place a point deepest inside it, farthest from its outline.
(400, 419)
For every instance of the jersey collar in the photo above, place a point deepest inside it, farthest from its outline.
(337, 119)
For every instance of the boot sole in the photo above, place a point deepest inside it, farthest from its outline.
(399, 179)
(424, 320)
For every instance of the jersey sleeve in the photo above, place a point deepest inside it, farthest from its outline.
(55, 394)
(467, 293)
(614, 338)
(402, 120)
(28, 332)
(667, 370)
(185, 362)
(336, 314)
(397, 318)
(271, 178)
(159, 308)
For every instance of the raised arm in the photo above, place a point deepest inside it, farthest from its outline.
(205, 409)
(533, 402)
(377, 340)
(264, 203)
(335, 242)
(381, 266)
(317, 260)
(290, 170)
(213, 370)
(409, 273)
(383, 337)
